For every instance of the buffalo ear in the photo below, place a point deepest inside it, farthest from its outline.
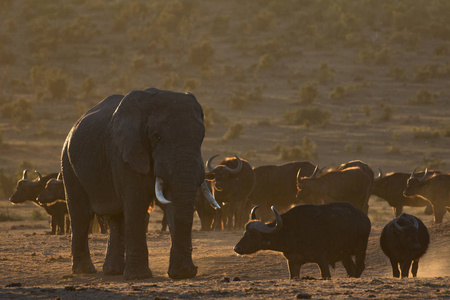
(126, 126)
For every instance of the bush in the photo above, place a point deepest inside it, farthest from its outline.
(398, 74)
(266, 62)
(243, 97)
(212, 117)
(423, 96)
(7, 183)
(233, 132)
(426, 133)
(306, 151)
(20, 110)
(6, 216)
(37, 215)
(88, 86)
(201, 54)
(326, 74)
(308, 116)
(308, 93)
(57, 84)
(191, 84)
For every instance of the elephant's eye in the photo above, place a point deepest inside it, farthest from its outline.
(154, 140)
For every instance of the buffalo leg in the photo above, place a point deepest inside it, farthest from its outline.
(324, 268)
(415, 267)
(397, 210)
(395, 271)
(115, 260)
(404, 266)
(349, 266)
(294, 269)
(439, 212)
(61, 223)
(429, 209)
(67, 218)
(54, 224)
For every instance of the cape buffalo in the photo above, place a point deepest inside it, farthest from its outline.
(404, 240)
(28, 190)
(232, 181)
(435, 189)
(321, 234)
(390, 187)
(276, 185)
(347, 185)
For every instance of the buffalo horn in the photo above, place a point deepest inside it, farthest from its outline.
(263, 228)
(315, 172)
(412, 174)
(59, 178)
(208, 163)
(299, 175)
(380, 174)
(424, 175)
(253, 212)
(24, 174)
(159, 191)
(39, 174)
(209, 196)
(237, 169)
(398, 227)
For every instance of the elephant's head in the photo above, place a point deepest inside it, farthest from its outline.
(159, 134)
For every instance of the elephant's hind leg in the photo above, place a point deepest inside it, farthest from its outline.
(115, 261)
(80, 215)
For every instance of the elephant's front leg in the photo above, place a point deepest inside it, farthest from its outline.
(135, 211)
(115, 260)
(181, 265)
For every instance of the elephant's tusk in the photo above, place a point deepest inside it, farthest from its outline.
(159, 191)
(209, 196)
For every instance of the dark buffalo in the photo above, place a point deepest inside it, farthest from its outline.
(321, 234)
(28, 190)
(276, 185)
(404, 240)
(232, 182)
(360, 164)
(54, 192)
(390, 187)
(435, 189)
(347, 185)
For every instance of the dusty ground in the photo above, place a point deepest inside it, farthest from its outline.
(37, 265)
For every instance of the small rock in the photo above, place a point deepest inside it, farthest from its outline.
(302, 296)
(67, 276)
(225, 279)
(45, 252)
(70, 288)
(33, 254)
(236, 279)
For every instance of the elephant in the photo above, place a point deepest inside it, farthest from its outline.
(116, 158)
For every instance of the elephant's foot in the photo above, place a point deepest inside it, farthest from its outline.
(83, 267)
(137, 273)
(113, 267)
(183, 273)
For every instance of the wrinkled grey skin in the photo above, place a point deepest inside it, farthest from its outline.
(110, 161)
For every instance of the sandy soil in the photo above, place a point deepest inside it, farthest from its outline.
(36, 265)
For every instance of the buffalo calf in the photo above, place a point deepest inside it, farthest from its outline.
(321, 234)
(404, 240)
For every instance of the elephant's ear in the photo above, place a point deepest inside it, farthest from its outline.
(126, 126)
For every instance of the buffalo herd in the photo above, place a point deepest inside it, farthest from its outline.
(329, 210)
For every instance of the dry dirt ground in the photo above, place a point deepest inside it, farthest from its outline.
(36, 265)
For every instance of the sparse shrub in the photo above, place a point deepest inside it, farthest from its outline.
(309, 116)
(263, 20)
(266, 62)
(7, 183)
(353, 148)
(326, 75)
(6, 216)
(88, 86)
(307, 151)
(426, 133)
(407, 38)
(212, 117)
(37, 215)
(191, 84)
(171, 81)
(422, 73)
(442, 49)
(243, 97)
(266, 122)
(57, 84)
(20, 110)
(398, 74)
(233, 132)
(433, 163)
(423, 96)
(308, 93)
(338, 92)
(201, 54)
(138, 62)
(372, 56)
(394, 150)
(386, 112)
